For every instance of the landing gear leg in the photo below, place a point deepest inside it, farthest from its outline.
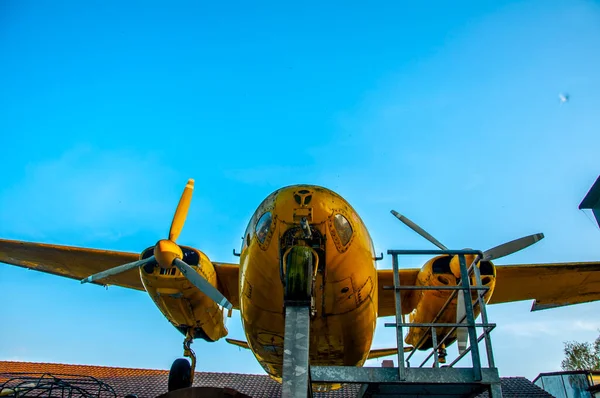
(182, 372)
(188, 352)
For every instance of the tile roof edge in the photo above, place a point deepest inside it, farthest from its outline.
(76, 365)
(121, 367)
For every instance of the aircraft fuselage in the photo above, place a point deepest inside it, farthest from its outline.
(345, 289)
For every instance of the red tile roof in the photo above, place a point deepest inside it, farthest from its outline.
(149, 383)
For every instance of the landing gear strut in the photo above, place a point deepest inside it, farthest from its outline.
(182, 372)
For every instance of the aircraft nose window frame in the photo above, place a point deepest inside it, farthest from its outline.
(263, 226)
(343, 229)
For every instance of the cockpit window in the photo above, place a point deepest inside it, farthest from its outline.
(343, 228)
(263, 226)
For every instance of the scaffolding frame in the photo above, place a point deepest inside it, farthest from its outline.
(407, 381)
(464, 288)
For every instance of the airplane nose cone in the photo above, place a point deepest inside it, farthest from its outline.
(165, 252)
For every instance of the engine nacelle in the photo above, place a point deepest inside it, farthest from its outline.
(442, 271)
(180, 301)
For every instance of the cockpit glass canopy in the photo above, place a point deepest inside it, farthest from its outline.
(343, 228)
(263, 226)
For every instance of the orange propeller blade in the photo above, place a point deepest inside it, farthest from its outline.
(182, 210)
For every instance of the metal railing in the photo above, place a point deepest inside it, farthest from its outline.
(465, 288)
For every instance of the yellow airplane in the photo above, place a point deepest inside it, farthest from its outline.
(303, 242)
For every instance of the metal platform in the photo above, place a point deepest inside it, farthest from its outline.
(404, 380)
(418, 382)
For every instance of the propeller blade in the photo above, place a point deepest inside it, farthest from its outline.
(511, 247)
(418, 230)
(181, 211)
(202, 284)
(461, 333)
(117, 270)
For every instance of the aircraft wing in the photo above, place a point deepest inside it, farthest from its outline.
(228, 277)
(550, 285)
(79, 263)
(385, 277)
(71, 262)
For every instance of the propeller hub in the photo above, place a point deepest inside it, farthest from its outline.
(166, 251)
(455, 263)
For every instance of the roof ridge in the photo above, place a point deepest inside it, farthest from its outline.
(71, 365)
(78, 365)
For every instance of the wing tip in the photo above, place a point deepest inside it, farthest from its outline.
(238, 343)
(537, 306)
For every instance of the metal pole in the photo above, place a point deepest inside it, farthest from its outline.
(464, 279)
(296, 372)
(465, 352)
(484, 318)
(435, 347)
(495, 390)
(399, 322)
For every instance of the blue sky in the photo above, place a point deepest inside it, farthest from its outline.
(447, 113)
